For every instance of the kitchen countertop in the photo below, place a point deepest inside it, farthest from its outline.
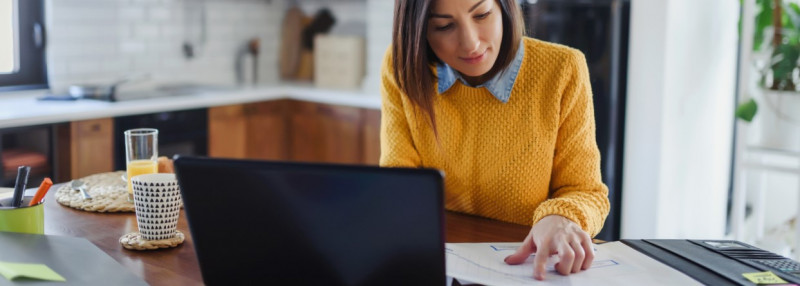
(23, 109)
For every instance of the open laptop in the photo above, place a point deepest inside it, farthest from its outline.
(278, 223)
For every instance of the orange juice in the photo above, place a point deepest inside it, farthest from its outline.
(140, 167)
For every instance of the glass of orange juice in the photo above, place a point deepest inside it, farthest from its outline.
(141, 153)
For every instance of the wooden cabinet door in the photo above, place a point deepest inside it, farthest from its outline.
(371, 131)
(227, 131)
(325, 133)
(267, 131)
(91, 147)
(295, 130)
(305, 132)
(248, 131)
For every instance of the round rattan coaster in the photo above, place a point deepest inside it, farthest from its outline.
(108, 191)
(134, 241)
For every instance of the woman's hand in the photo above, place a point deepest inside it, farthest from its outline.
(555, 234)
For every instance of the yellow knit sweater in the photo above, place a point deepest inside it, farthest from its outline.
(519, 161)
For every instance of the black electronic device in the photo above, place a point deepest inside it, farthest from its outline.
(717, 262)
(754, 256)
(276, 223)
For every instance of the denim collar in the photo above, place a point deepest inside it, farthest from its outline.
(499, 86)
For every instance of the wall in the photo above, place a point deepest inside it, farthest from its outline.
(679, 118)
(379, 37)
(100, 41)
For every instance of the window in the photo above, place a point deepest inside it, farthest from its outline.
(22, 39)
(8, 45)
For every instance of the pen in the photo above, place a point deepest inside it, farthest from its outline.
(46, 183)
(19, 186)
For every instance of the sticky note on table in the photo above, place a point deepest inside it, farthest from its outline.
(764, 278)
(28, 270)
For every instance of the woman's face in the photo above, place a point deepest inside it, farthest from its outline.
(466, 34)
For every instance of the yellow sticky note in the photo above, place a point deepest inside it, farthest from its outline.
(29, 270)
(764, 278)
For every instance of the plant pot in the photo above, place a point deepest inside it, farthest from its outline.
(777, 124)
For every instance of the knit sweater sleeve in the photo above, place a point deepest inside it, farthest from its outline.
(576, 189)
(397, 146)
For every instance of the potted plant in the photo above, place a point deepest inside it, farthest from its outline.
(776, 50)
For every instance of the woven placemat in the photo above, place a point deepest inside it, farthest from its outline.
(134, 241)
(108, 191)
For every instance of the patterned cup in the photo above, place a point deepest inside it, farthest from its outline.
(157, 199)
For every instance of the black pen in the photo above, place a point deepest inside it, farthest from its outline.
(19, 186)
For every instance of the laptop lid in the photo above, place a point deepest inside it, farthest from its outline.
(313, 224)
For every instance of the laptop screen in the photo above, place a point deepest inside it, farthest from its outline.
(313, 224)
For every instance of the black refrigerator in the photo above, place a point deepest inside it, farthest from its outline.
(598, 28)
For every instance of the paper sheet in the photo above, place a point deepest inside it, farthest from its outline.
(615, 264)
(28, 270)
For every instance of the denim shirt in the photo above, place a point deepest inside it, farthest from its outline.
(499, 86)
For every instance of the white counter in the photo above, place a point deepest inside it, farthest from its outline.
(23, 109)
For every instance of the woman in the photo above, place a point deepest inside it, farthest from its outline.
(508, 119)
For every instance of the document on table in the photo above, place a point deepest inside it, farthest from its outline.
(615, 264)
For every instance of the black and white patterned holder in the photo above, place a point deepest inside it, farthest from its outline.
(157, 200)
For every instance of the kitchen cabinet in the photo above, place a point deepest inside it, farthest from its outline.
(84, 148)
(325, 133)
(251, 130)
(371, 139)
(227, 131)
(295, 131)
(286, 130)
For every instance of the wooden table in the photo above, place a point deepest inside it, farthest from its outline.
(178, 266)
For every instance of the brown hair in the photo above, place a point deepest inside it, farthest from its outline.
(412, 56)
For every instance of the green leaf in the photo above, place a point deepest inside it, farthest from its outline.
(762, 21)
(746, 111)
(782, 70)
(792, 12)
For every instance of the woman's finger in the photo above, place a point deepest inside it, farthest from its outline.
(540, 261)
(523, 252)
(566, 257)
(588, 250)
(580, 255)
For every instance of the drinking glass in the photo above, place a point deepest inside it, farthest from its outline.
(141, 153)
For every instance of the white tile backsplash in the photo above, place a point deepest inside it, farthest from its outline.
(379, 35)
(91, 41)
(160, 14)
(100, 41)
(130, 12)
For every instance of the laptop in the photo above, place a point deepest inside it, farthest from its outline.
(278, 223)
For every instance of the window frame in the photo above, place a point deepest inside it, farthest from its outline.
(32, 69)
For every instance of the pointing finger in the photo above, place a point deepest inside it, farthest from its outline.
(522, 253)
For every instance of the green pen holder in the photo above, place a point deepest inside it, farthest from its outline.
(27, 219)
